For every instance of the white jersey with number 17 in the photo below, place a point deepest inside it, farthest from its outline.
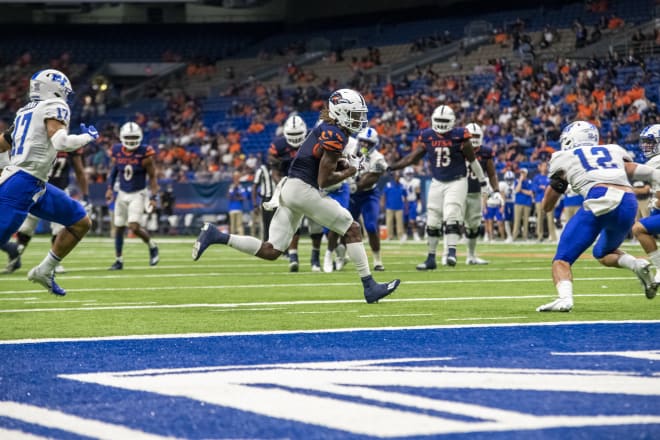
(590, 165)
(32, 150)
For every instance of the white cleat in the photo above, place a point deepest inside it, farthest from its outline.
(328, 264)
(643, 270)
(60, 269)
(316, 268)
(558, 305)
(443, 260)
(475, 260)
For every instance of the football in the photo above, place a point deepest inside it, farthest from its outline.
(342, 164)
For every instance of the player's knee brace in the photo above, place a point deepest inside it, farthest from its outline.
(432, 232)
(472, 233)
(452, 228)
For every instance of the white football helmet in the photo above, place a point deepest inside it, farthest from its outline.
(649, 140)
(130, 135)
(295, 130)
(442, 119)
(477, 134)
(367, 140)
(408, 173)
(509, 177)
(349, 109)
(49, 84)
(577, 134)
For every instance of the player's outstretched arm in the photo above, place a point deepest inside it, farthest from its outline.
(62, 141)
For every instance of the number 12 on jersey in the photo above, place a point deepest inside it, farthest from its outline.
(596, 157)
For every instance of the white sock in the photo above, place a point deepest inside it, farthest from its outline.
(245, 243)
(377, 261)
(433, 244)
(341, 251)
(471, 246)
(152, 243)
(655, 258)
(49, 263)
(627, 261)
(452, 240)
(565, 289)
(358, 255)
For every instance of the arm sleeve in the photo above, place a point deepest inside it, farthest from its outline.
(478, 172)
(69, 142)
(113, 177)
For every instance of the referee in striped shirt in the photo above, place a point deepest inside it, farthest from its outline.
(262, 191)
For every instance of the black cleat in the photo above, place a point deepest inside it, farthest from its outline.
(377, 291)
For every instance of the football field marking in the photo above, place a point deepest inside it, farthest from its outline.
(66, 422)
(315, 284)
(493, 318)
(293, 303)
(323, 331)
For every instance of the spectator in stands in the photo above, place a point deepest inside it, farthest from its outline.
(547, 37)
(615, 22)
(580, 33)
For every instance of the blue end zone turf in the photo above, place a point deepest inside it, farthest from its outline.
(501, 382)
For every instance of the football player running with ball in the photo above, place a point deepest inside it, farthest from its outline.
(314, 168)
(600, 173)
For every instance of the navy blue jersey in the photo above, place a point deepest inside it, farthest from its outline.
(284, 153)
(130, 168)
(59, 173)
(445, 152)
(484, 154)
(305, 165)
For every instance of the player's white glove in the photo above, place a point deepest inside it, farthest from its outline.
(486, 190)
(358, 162)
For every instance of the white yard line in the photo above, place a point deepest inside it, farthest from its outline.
(288, 303)
(395, 316)
(315, 284)
(334, 330)
(66, 422)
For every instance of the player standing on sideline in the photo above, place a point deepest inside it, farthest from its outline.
(365, 196)
(413, 188)
(394, 195)
(132, 163)
(40, 130)
(317, 165)
(473, 204)
(646, 229)
(449, 150)
(262, 191)
(507, 189)
(58, 176)
(600, 173)
(280, 155)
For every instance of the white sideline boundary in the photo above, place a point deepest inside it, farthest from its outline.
(342, 330)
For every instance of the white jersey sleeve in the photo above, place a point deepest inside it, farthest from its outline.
(32, 150)
(654, 162)
(589, 165)
(376, 163)
(4, 160)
